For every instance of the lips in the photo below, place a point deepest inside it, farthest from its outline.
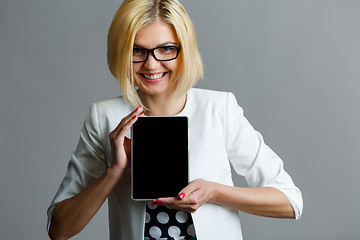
(153, 78)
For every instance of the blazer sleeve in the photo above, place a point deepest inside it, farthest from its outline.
(253, 159)
(87, 163)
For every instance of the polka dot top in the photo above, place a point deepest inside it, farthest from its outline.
(163, 223)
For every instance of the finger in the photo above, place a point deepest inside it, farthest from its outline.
(129, 117)
(176, 203)
(166, 201)
(173, 203)
(191, 187)
(125, 120)
(127, 126)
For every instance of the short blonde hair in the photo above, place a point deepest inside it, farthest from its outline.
(128, 20)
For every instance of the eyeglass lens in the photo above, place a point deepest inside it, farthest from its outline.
(163, 53)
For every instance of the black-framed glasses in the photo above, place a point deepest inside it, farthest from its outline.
(163, 53)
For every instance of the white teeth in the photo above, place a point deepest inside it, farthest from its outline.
(156, 76)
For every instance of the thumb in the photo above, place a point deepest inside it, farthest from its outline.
(191, 187)
(127, 145)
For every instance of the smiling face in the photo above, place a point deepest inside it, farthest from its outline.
(156, 77)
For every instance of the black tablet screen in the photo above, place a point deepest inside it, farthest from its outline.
(159, 157)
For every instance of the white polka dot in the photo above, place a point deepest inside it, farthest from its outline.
(155, 232)
(152, 207)
(163, 217)
(147, 218)
(191, 230)
(181, 216)
(174, 231)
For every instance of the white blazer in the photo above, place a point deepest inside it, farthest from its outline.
(219, 136)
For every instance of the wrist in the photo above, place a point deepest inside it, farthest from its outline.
(115, 172)
(215, 192)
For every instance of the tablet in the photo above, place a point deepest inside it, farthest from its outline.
(159, 157)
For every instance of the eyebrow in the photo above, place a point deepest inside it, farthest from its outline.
(159, 45)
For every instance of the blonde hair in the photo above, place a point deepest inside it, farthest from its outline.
(128, 20)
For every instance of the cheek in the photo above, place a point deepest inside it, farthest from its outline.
(136, 68)
(135, 76)
(174, 67)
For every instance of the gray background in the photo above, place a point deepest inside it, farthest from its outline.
(294, 66)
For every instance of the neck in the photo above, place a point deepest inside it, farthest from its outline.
(162, 105)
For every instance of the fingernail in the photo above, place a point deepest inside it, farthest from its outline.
(141, 114)
(134, 117)
(156, 202)
(181, 195)
(137, 108)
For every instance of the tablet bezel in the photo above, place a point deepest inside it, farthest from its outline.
(143, 118)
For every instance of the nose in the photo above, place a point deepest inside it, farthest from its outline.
(151, 63)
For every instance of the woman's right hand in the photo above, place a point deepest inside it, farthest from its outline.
(121, 145)
(71, 215)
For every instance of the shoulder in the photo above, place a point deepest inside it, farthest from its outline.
(207, 93)
(214, 104)
(111, 102)
(205, 97)
(113, 107)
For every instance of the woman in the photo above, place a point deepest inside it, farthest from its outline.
(152, 51)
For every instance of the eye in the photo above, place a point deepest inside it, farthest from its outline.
(168, 49)
(139, 51)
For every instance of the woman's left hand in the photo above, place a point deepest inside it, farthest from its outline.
(193, 196)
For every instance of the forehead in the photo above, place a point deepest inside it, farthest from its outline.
(155, 34)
